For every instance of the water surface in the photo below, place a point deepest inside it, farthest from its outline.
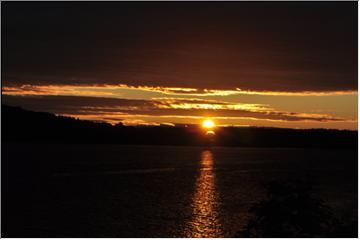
(157, 191)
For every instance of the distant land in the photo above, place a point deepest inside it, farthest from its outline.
(19, 125)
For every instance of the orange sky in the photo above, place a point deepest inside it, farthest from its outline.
(156, 105)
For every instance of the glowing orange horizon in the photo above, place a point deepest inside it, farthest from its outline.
(154, 105)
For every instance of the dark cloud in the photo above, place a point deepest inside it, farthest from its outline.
(162, 107)
(276, 46)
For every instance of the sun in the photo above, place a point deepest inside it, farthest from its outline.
(208, 124)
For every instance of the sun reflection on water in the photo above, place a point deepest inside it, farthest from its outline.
(204, 221)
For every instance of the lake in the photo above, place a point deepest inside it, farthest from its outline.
(53, 190)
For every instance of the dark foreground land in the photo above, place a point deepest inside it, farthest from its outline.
(98, 187)
(21, 125)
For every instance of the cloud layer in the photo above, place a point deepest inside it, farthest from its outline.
(277, 47)
(120, 108)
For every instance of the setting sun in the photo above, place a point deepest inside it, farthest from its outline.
(208, 124)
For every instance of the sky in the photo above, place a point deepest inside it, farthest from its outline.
(274, 64)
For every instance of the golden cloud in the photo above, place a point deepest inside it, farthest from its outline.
(106, 90)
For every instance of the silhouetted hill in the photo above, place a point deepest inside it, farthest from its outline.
(19, 125)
